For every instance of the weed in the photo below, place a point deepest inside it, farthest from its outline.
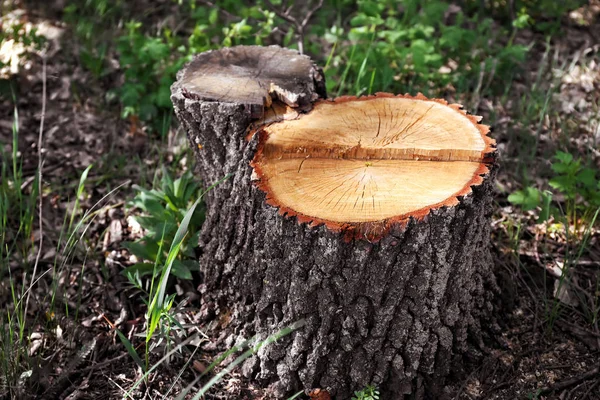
(89, 20)
(534, 395)
(416, 50)
(149, 60)
(16, 40)
(149, 65)
(587, 301)
(171, 219)
(381, 49)
(253, 346)
(544, 15)
(163, 211)
(17, 211)
(577, 184)
(368, 393)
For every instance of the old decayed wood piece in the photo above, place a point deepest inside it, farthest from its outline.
(368, 218)
(253, 76)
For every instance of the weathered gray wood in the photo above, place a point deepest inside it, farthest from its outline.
(396, 314)
(253, 76)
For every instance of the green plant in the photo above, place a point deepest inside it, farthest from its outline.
(169, 219)
(380, 48)
(416, 50)
(544, 15)
(22, 37)
(368, 393)
(577, 184)
(534, 395)
(160, 303)
(163, 210)
(587, 301)
(149, 64)
(149, 58)
(578, 189)
(150, 61)
(18, 203)
(89, 20)
(17, 212)
(530, 198)
(250, 346)
(253, 346)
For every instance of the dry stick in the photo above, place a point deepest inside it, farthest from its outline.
(572, 381)
(585, 395)
(285, 14)
(478, 87)
(222, 10)
(40, 193)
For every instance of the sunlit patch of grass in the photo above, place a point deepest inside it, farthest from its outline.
(17, 211)
(19, 198)
(559, 195)
(160, 320)
(581, 301)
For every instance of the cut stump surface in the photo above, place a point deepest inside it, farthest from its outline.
(254, 76)
(362, 164)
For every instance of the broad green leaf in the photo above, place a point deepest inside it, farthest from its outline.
(527, 199)
(587, 177)
(144, 251)
(181, 270)
(142, 269)
(563, 183)
(563, 157)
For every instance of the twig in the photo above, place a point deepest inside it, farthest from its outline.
(572, 381)
(300, 26)
(585, 395)
(103, 363)
(222, 10)
(28, 181)
(40, 192)
(477, 93)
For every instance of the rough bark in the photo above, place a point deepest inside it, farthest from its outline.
(393, 313)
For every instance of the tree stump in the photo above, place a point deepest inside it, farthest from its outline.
(366, 217)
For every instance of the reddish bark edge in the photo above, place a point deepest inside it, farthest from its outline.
(375, 230)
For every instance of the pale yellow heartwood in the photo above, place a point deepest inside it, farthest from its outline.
(370, 160)
(388, 128)
(351, 191)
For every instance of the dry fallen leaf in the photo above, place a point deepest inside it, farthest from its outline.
(319, 394)
(198, 366)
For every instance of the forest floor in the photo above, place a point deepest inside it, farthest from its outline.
(549, 343)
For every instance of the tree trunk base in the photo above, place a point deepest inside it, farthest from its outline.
(398, 328)
(396, 313)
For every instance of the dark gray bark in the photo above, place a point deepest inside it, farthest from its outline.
(394, 314)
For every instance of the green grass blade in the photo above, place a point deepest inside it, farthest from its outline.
(80, 189)
(131, 350)
(296, 395)
(155, 366)
(159, 297)
(276, 336)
